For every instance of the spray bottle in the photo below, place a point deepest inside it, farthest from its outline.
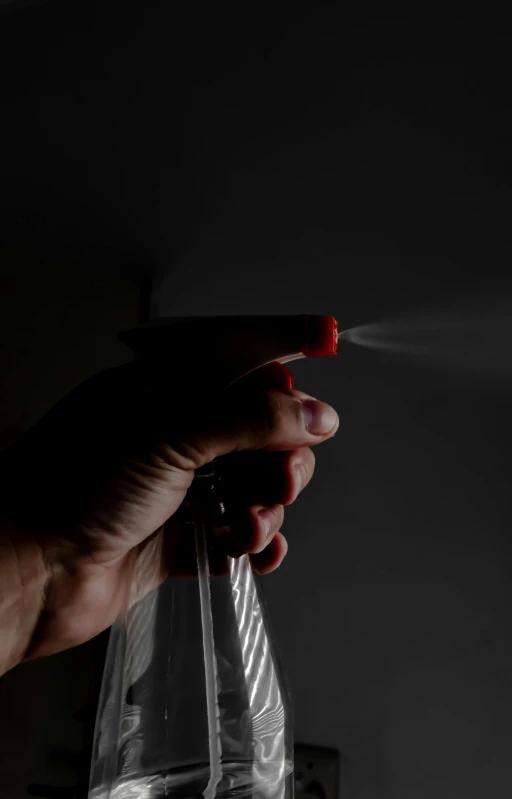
(193, 701)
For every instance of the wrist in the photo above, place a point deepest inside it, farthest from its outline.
(23, 578)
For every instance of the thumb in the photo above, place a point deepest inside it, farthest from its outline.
(271, 419)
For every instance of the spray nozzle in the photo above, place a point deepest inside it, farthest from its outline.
(321, 336)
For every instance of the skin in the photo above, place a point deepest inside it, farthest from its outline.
(107, 472)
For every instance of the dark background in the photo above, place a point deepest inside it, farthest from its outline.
(125, 125)
(309, 157)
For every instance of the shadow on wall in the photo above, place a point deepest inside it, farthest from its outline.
(58, 325)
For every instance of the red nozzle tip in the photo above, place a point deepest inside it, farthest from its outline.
(321, 336)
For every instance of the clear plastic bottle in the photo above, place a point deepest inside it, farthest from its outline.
(193, 700)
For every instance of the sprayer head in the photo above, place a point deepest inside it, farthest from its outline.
(218, 350)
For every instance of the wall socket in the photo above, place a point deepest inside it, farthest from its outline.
(317, 772)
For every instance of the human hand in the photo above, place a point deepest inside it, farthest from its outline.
(111, 464)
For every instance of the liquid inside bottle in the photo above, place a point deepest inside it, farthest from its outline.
(155, 727)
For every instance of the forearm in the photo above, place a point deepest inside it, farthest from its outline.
(22, 590)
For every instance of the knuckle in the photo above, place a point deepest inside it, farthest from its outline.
(309, 460)
(274, 412)
(284, 413)
(185, 454)
(279, 511)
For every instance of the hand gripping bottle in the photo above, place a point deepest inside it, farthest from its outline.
(193, 702)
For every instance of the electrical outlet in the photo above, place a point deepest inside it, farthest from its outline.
(317, 771)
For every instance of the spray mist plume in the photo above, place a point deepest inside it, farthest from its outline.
(476, 338)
